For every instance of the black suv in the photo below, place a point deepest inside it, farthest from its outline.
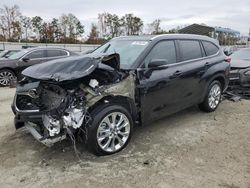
(11, 67)
(126, 82)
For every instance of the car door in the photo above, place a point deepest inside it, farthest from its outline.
(32, 58)
(193, 66)
(173, 88)
(159, 88)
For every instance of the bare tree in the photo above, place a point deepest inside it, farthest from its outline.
(102, 24)
(71, 27)
(154, 27)
(10, 22)
(26, 25)
(37, 24)
(132, 25)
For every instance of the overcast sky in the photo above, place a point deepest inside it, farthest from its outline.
(234, 14)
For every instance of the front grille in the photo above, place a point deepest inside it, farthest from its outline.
(27, 103)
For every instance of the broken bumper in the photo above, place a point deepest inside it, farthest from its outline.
(31, 122)
(46, 141)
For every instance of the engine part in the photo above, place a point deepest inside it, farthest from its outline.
(74, 118)
(93, 83)
(52, 125)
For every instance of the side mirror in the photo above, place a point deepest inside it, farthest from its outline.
(157, 63)
(25, 59)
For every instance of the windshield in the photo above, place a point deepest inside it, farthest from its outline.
(129, 50)
(18, 54)
(243, 54)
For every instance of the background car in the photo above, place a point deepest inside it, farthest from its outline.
(240, 73)
(11, 67)
(7, 53)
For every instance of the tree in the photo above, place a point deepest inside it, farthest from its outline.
(71, 27)
(26, 25)
(114, 24)
(79, 29)
(154, 27)
(56, 30)
(37, 24)
(10, 22)
(102, 24)
(132, 25)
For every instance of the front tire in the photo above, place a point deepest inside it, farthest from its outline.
(110, 130)
(213, 97)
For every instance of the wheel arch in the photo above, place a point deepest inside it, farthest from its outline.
(219, 77)
(126, 102)
(10, 69)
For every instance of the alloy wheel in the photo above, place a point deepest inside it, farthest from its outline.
(6, 77)
(113, 132)
(214, 96)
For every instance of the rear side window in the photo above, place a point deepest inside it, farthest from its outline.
(163, 50)
(190, 49)
(36, 54)
(210, 48)
(56, 53)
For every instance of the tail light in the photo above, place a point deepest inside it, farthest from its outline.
(227, 59)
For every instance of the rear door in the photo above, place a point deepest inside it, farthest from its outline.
(193, 66)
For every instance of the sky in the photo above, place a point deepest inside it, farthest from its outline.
(234, 14)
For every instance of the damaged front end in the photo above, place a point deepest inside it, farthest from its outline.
(55, 100)
(239, 85)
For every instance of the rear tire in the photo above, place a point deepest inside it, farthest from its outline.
(212, 98)
(110, 130)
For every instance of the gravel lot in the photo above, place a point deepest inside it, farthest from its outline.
(188, 149)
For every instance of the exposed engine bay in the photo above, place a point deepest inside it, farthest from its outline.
(63, 106)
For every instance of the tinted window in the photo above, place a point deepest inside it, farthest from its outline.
(190, 49)
(210, 48)
(36, 54)
(56, 53)
(163, 50)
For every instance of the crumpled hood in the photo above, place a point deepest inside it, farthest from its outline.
(71, 68)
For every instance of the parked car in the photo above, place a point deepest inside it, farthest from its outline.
(126, 82)
(11, 68)
(7, 53)
(240, 73)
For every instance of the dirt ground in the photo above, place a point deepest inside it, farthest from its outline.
(188, 149)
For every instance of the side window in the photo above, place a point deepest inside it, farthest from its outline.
(56, 53)
(190, 49)
(36, 54)
(210, 48)
(162, 50)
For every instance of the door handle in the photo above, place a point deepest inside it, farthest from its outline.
(176, 74)
(207, 65)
